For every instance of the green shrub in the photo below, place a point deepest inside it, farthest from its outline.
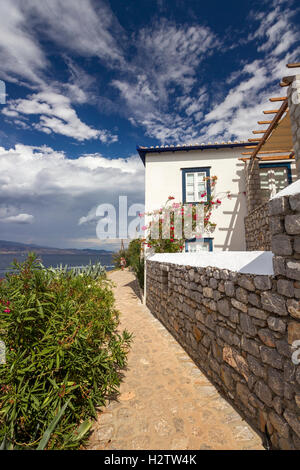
(62, 346)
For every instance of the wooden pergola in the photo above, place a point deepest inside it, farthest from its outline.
(276, 141)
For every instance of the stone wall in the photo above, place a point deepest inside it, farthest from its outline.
(242, 330)
(255, 195)
(257, 230)
(294, 108)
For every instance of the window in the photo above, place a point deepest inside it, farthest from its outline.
(197, 245)
(274, 176)
(195, 183)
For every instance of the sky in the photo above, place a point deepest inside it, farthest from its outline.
(89, 80)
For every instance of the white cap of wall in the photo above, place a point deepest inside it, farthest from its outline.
(247, 262)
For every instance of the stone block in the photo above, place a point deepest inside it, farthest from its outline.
(293, 421)
(263, 282)
(263, 392)
(239, 305)
(247, 325)
(257, 313)
(279, 266)
(273, 303)
(276, 381)
(223, 307)
(250, 346)
(282, 245)
(279, 424)
(293, 307)
(293, 269)
(235, 360)
(246, 282)
(271, 357)
(267, 337)
(278, 206)
(285, 287)
(229, 288)
(241, 295)
(276, 324)
(256, 367)
(297, 244)
(254, 299)
(276, 225)
(293, 332)
(208, 292)
(294, 201)
(292, 224)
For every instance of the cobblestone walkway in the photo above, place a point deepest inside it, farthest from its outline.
(165, 401)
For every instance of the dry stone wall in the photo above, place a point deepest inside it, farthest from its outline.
(243, 330)
(257, 231)
(239, 330)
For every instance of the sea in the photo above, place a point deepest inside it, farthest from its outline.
(55, 260)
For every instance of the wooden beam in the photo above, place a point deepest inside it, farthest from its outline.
(280, 98)
(275, 120)
(254, 140)
(266, 159)
(264, 152)
(271, 111)
(293, 65)
(250, 147)
(259, 132)
(264, 122)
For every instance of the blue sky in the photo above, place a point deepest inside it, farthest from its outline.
(87, 81)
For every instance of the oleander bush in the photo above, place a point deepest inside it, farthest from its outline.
(64, 354)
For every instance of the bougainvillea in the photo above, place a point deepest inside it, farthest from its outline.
(176, 218)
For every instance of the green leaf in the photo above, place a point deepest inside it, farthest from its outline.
(51, 427)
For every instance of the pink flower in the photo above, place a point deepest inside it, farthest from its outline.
(144, 227)
(7, 310)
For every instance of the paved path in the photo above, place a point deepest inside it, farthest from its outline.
(165, 401)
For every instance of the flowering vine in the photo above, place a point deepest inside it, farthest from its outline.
(187, 216)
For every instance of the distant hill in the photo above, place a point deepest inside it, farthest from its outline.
(7, 247)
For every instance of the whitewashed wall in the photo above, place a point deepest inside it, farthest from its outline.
(164, 178)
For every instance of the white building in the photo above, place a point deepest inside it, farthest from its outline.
(178, 171)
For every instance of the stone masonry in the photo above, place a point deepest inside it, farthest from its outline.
(255, 195)
(294, 108)
(257, 232)
(242, 330)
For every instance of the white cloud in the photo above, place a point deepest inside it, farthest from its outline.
(84, 27)
(56, 115)
(167, 59)
(19, 219)
(276, 32)
(20, 53)
(9, 214)
(58, 191)
(235, 115)
(27, 170)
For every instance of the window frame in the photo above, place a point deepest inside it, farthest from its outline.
(205, 240)
(280, 164)
(204, 169)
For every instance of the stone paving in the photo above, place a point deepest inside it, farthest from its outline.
(165, 401)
